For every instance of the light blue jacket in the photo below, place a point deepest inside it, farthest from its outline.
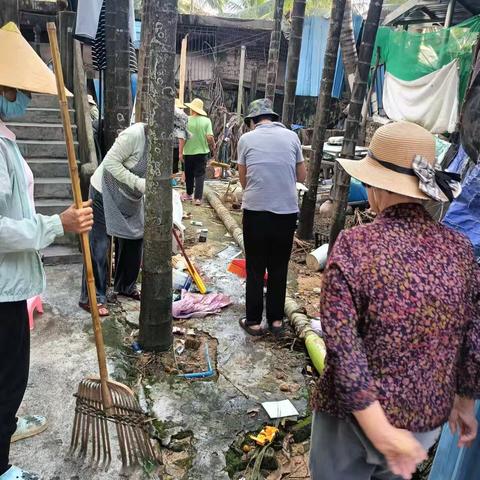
(22, 232)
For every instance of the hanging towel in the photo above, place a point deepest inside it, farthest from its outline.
(430, 101)
(88, 13)
(99, 53)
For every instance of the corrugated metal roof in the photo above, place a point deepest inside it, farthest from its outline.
(432, 12)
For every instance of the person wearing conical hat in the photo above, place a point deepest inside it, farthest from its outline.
(400, 319)
(23, 233)
(197, 150)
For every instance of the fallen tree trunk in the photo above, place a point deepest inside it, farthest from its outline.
(296, 315)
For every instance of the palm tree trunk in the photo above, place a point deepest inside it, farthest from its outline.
(142, 82)
(348, 44)
(118, 96)
(156, 306)
(293, 61)
(274, 52)
(307, 212)
(342, 179)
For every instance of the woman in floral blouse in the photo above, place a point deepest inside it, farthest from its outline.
(401, 321)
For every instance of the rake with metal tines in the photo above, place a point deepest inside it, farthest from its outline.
(100, 401)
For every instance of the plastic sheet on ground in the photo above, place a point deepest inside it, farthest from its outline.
(196, 305)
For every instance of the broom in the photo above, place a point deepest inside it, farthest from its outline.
(99, 400)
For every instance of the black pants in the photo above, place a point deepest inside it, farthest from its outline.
(128, 260)
(128, 256)
(175, 160)
(14, 366)
(195, 166)
(268, 245)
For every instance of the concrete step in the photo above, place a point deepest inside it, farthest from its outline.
(45, 149)
(44, 115)
(51, 206)
(39, 131)
(48, 168)
(47, 101)
(61, 255)
(53, 188)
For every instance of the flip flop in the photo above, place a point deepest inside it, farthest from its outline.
(251, 331)
(101, 307)
(276, 331)
(136, 295)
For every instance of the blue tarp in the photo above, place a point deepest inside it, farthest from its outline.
(464, 212)
(453, 463)
(312, 56)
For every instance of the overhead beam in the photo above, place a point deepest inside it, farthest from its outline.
(430, 14)
(394, 18)
(467, 7)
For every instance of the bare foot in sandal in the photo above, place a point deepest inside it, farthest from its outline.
(254, 330)
(102, 310)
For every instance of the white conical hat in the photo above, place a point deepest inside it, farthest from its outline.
(21, 67)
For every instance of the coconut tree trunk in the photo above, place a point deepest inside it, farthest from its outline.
(118, 94)
(342, 179)
(141, 101)
(156, 306)
(307, 212)
(348, 44)
(274, 52)
(293, 61)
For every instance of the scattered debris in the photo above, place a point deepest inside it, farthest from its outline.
(280, 409)
(266, 435)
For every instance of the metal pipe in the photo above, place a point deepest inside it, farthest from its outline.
(450, 13)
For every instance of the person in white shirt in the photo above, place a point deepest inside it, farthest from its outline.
(116, 189)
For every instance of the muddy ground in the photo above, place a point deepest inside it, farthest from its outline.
(195, 422)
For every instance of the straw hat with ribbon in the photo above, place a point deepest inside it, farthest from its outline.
(197, 106)
(21, 67)
(401, 159)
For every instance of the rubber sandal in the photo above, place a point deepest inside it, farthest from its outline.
(251, 331)
(15, 473)
(198, 203)
(29, 426)
(135, 295)
(276, 331)
(101, 307)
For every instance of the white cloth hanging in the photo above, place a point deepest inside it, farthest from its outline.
(88, 13)
(430, 101)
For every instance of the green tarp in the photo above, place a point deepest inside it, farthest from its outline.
(409, 56)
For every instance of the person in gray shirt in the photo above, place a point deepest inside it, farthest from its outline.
(270, 162)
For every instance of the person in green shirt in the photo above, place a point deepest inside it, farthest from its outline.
(197, 150)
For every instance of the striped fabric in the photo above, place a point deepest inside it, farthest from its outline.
(99, 53)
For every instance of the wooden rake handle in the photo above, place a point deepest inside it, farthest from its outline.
(77, 196)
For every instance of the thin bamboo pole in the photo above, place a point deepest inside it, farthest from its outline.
(77, 196)
(183, 69)
(240, 80)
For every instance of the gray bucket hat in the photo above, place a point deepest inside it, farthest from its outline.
(262, 106)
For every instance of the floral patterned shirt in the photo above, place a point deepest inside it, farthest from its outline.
(401, 321)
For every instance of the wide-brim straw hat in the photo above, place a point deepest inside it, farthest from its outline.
(197, 106)
(21, 67)
(179, 104)
(388, 164)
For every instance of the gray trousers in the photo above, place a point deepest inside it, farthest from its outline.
(340, 451)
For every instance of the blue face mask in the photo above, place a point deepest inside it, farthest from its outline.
(13, 109)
